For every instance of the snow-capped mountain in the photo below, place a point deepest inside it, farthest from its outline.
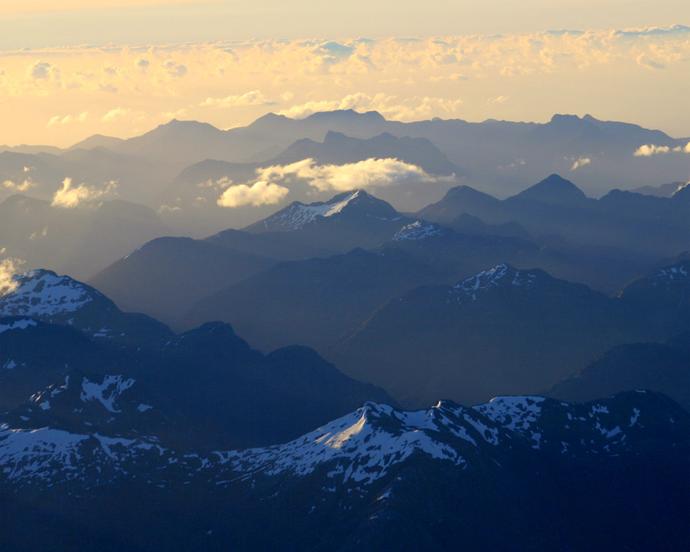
(499, 275)
(351, 206)
(373, 472)
(44, 295)
(298, 215)
(358, 449)
(418, 230)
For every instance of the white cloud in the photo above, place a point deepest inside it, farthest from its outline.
(22, 186)
(580, 162)
(392, 107)
(70, 196)
(115, 114)
(253, 97)
(650, 149)
(256, 194)
(67, 119)
(269, 187)
(8, 269)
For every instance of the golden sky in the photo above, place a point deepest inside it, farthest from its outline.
(73, 68)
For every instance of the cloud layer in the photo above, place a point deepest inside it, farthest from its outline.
(61, 95)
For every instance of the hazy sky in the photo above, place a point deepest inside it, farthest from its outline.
(72, 68)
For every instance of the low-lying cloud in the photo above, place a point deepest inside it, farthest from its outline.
(649, 150)
(70, 196)
(580, 162)
(18, 186)
(271, 183)
(257, 194)
(9, 268)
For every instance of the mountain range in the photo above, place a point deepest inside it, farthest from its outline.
(376, 477)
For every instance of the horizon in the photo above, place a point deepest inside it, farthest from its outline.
(545, 121)
(110, 67)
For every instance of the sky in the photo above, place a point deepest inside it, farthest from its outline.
(73, 68)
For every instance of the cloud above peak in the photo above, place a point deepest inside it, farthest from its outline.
(272, 184)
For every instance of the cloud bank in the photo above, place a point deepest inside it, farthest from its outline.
(527, 76)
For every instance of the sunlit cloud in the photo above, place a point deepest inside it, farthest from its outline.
(272, 184)
(70, 196)
(9, 268)
(253, 97)
(580, 162)
(18, 186)
(649, 150)
(468, 77)
(68, 119)
(256, 194)
(115, 114)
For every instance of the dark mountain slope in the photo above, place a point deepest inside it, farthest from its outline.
(166, 276)
(315, 301)
(501, 331)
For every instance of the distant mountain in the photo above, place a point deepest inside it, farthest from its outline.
(662, 190)
(662, 299)
(501, 331)
(190, 270)
(501, 156)
(80, 241)
(662, 367)
(552, 190)
(375, 478)
(339, 149)
(98, 141)
(45, 296)
(166, 276)
(314, 301)
(642, 225)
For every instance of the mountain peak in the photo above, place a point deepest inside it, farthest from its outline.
(553, 189)
(41, 293)
(297, 215)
